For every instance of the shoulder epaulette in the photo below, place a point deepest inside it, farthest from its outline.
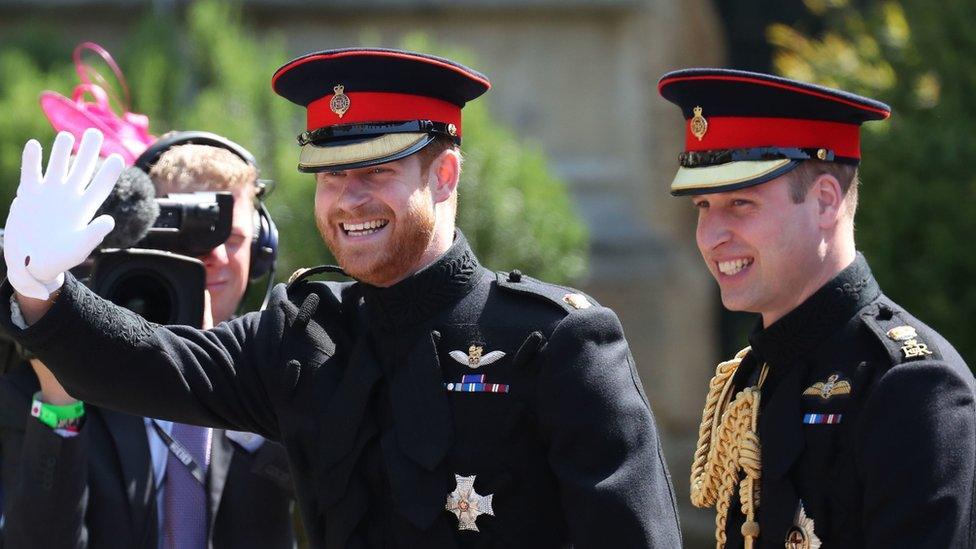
(568, 299)
(898, 336)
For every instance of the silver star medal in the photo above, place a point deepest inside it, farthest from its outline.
(467, 504)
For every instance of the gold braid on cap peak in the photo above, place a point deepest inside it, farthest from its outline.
(728, 444)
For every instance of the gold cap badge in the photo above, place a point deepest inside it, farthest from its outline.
(340, 101)
(698, 124)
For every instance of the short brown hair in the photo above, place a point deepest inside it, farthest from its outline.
(188, 168)
(440, 144)
(807, 172)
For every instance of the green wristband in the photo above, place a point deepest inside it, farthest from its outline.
(67, 416)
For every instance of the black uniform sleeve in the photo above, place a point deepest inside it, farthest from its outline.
(108, 356)
(44, 478)
(917, 459)
(602, 442)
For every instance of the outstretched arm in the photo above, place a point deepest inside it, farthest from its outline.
(107, 355)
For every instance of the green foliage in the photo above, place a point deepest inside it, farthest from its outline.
(918, 198)
(210, 71)
(513, 209)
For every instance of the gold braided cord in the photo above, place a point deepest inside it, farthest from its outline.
(704, 490)
(729, 449)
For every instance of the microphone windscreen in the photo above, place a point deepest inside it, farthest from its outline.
(132, 203)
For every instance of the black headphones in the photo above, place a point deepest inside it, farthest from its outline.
(264, 244)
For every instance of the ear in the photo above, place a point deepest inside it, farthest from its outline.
(829, 198)
(445, 172)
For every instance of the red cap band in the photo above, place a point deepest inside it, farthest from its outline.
(734, 132)
(367, 107)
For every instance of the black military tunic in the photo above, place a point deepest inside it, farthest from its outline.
(867, 420)
(387, 398)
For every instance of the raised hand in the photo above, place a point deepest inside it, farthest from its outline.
(50, 228)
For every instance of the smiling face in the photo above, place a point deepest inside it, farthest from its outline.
(762, 247)
(385, 222)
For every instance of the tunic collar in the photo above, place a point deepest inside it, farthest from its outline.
(813, 321)
(423, 294)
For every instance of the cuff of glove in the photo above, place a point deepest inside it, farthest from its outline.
(53, 287)
(34, 291)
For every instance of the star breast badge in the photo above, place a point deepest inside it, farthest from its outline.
(474, 358)
(801, 535)
(466, 504)
(833, 386)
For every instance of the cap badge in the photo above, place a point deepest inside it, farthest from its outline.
(474, 359)
(340, 101)
(698, 124)
(578, 301)
(912, 348)
(466, 504)
(831, 387)
(801, 535)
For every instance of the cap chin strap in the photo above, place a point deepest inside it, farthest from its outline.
(364, 131)
(698, 159)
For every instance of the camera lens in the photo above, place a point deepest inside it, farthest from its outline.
(162, 287)
(145, 293)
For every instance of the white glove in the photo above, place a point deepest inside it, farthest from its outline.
(48, 229)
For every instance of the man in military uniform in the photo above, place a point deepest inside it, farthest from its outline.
(431, 403)
(847, 422)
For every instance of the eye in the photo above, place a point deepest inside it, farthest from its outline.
(741, 202)
(235, 241)
(701, 205)
(379, 170)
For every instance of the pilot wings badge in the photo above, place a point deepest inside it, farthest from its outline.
(832, 387)
(474, 358)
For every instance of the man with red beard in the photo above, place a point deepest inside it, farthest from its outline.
(847, 423)
(430, 403)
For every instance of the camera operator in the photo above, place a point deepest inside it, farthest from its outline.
(77, 475)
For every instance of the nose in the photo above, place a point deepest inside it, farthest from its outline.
(353, 194)
(712, 231)
(215, 257)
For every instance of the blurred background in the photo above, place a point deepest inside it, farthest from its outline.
(570, 155)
